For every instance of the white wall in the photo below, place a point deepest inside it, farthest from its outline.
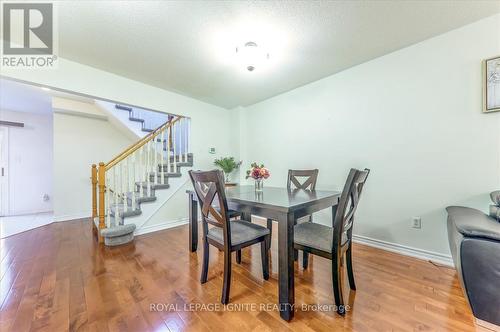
(413, 117)
(30, 162)
(82, 137)
(211, 126)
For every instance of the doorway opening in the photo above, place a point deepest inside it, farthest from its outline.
(26, 157)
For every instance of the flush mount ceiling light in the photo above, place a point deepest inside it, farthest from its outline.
(251, 55)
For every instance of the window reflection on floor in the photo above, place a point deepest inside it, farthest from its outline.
(17, 224)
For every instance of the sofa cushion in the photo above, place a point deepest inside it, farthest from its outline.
(474, 223)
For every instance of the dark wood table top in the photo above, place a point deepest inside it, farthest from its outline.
(280, 199)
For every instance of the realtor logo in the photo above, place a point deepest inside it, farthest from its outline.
(28, 35)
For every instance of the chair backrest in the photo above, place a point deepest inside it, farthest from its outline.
(310, 175)
(344, 217)
(209, 188)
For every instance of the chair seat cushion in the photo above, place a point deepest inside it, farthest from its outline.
(241, 231)
(313, 235)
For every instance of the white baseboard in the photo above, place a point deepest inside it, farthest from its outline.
(487, 325)
(405, 250)
(162, 226)
(68, 217)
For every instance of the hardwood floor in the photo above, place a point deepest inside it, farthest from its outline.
(57, 278)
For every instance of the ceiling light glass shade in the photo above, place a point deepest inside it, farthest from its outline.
(251, 56)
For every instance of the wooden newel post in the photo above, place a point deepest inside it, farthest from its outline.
(94, 190)
(102, 190)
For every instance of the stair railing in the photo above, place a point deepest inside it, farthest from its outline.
(133, 173)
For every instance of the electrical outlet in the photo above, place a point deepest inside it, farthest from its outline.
(211, 150)
(416, 222)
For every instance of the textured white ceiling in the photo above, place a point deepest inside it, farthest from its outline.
(188, 46)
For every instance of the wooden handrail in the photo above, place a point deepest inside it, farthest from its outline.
(94, 190)
(101, 173)
(134, 147)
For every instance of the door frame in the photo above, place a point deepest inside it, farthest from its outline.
(4, 171)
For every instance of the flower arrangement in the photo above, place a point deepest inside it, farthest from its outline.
(257, 172)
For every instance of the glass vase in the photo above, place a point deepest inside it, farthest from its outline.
(259, 184)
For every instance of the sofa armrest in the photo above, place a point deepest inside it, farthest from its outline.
(473, 223)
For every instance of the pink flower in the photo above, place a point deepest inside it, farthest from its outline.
(264, 173)
(258, 172)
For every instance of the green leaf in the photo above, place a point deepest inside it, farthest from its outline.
(227, 164)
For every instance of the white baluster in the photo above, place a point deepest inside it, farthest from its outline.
(115, 193)
(186, 139)
(120, 188)
(162, 173)
(155, 166)
(141, 171)
(127, 179)
(108, 200)
(189, 135)
(123, 178)
(168, 148)
(132, 180)
(174, 132)
(180, 140)
(148, 167)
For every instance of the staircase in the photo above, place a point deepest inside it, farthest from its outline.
(123, 187)
(149, 120)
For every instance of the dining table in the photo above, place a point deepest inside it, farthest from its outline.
(282, 205)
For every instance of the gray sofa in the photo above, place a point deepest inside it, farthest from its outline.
(474, 239)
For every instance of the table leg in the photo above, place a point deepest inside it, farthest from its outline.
(286, 266)
(246, 216)
(193, 223)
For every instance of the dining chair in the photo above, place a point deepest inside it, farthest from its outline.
(233, 215)
(298, 179)
(226, 235)
(335, 242)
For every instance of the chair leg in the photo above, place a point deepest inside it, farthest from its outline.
(227, 278)
(204, 269)
(270, 228)
(264, 253)
(337, 285)
(350, 272)
(238, 256)
(305, 259)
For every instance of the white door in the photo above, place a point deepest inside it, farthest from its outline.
(4, 181)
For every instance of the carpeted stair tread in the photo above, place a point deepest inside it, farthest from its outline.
(118, 235)
(153, 186)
